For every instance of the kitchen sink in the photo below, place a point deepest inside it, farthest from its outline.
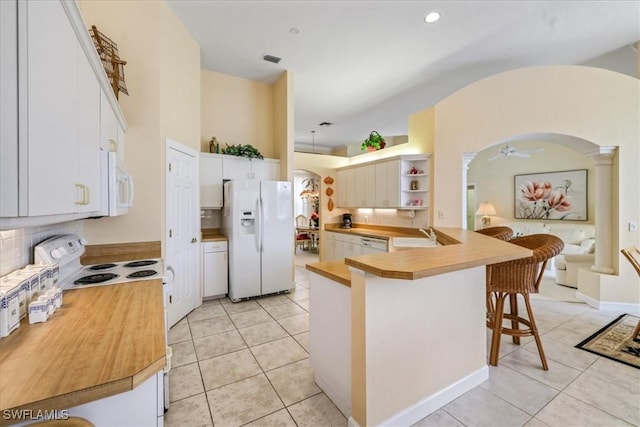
(413, 242)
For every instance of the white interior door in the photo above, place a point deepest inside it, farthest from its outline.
(182, 230)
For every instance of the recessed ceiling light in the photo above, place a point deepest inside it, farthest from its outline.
(294, 30)
(432, 17)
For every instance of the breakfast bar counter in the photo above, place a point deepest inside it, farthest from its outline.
(103, 341)
(417, 335)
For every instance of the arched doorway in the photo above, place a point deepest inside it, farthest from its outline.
(306, 211)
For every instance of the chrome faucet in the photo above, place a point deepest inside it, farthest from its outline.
(431, 235)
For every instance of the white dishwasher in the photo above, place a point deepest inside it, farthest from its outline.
(215, 269)
(372, 245)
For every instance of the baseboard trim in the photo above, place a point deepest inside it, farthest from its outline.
(342, 402)
(437, 400)
(609, 306)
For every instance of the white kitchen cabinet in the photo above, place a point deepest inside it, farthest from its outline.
(364, 194)
(334, 247)
(51, 162)
(8, 110)
(112, 136)
(400, 182)
(250, 169)
(352, 246)
(215, 269)
(265, 169)
(48, 113)
(142, 406)
(88, 183)
(210, 181)
(341, 188)
(388, 184)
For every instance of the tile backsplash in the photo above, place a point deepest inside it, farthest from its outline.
(210, 218)
(16, 246)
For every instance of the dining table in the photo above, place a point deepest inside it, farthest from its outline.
(313, 233)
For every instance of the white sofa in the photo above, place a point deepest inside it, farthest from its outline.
(579, 246)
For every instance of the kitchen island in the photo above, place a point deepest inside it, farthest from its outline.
(395, 336)
(103, 341)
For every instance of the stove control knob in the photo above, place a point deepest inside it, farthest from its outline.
(83, 241)
(56, 254)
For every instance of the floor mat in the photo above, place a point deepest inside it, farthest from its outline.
(614, 341)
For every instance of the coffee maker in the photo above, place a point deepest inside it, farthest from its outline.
(346, 220)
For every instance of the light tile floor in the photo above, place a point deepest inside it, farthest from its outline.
(248, 364)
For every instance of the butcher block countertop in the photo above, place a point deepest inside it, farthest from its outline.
(212, 235)
(460, 249)
(376, 231)
(103, 341)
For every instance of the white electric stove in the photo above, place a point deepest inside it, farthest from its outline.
(66, 250)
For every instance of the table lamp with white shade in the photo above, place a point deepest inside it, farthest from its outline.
(487, 211)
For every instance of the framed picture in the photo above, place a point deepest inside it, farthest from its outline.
(551, 196)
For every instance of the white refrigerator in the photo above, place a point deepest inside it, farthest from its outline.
(258, 220)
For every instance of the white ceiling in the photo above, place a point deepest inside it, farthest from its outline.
(367, 65)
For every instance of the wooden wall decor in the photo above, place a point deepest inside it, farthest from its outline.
(113, 65)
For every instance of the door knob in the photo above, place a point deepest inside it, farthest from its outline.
(194, 240)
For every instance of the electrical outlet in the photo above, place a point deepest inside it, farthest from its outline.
(440, 214)
(633, 227)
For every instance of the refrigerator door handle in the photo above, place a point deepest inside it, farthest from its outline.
(258, 231)
(261, 225)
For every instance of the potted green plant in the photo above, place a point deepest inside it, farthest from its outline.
(374, 142)
(240, 150)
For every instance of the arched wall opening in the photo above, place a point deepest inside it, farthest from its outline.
(593, 111)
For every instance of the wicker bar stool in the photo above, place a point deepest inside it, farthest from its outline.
(520, 276)
(499, 232)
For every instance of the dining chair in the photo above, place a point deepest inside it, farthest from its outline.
(521, 276)
(632, 253)
(302, 238)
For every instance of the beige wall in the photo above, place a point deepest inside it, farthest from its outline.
(237, 111)
(162, 76)
(283, 108)
(494, 180)
(599, 106)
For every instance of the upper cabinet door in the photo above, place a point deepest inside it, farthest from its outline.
(48, 114)
(265, 170)
(210, 181)
(236, 168)
(88, 183)
(8, 108)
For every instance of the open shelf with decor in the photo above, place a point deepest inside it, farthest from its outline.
(414, 181)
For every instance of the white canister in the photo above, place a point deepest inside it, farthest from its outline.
(29, 282)
(48, 299)
(38, 312)
(43, 276)
(9, 309)
(57, 297)
(53, 273)
(21, 283)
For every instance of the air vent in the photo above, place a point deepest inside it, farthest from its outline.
(271, 58)
(325, 124)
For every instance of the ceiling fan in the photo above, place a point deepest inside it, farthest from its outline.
(508, 152)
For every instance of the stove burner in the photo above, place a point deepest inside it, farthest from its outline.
(95, 278)
(101, 267)
(142, 273)
(142, 263)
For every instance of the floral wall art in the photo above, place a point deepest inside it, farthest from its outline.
(552, 196)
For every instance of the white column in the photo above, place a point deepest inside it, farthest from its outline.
(466, 159)
(603, 161)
